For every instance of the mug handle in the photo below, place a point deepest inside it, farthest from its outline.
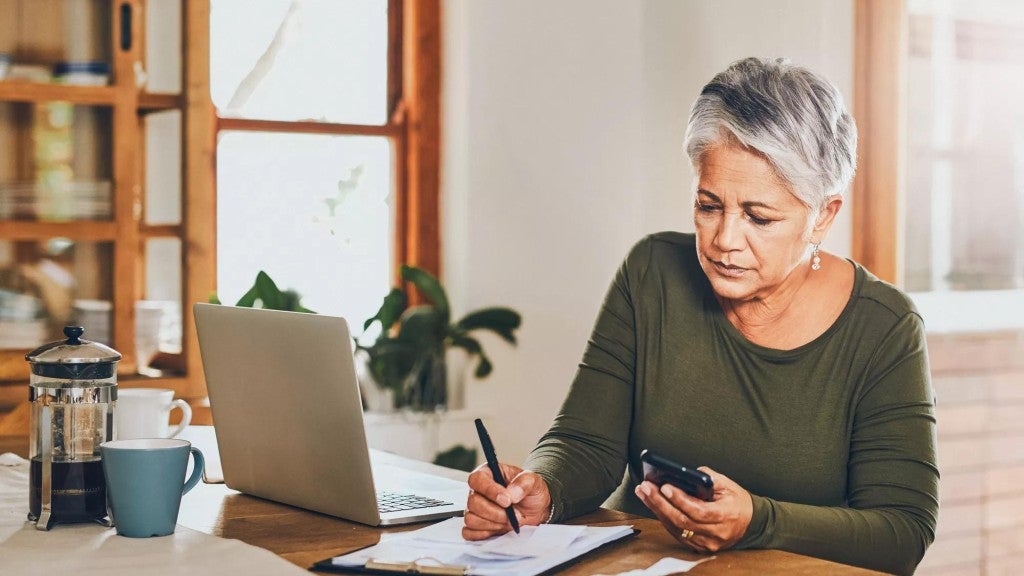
(198, 464)
(186, 416)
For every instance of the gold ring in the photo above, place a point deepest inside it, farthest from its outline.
(686, 534)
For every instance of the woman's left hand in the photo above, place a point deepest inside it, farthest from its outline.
(703, 526)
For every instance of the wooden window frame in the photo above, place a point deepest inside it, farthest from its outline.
(414, 125)
(880, 37)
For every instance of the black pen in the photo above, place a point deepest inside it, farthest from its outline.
(492, 463)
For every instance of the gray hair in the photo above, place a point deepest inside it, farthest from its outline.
(793, 117)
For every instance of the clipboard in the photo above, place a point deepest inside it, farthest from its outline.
(430, 567)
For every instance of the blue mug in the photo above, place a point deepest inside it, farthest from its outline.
(144, 483)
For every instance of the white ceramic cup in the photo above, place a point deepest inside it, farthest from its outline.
(148, 317)
(144, 413)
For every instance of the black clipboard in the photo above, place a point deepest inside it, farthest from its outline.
(428, 568)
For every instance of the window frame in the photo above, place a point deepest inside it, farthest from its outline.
(880, 64)
(413, 125)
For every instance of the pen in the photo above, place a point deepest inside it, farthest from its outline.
(492, 463)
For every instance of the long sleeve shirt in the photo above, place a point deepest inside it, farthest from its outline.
(834, 440)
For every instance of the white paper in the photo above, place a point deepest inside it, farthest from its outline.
(663, 567)
(11, 459)
(446, 532)
(507, 555)
(535, 541)
(410, 551)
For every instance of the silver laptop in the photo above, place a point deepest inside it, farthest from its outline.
(289, 420)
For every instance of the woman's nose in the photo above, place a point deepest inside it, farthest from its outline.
(729, 235)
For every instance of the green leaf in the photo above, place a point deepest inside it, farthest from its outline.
(484, 368)
(502, 321)
(472, 346)
(391, 362)
(390, 310)
(292, 302)
(213, 298)
(423, 326)
(467, 343)
(269, 293)
(429, 286)
(248, 299)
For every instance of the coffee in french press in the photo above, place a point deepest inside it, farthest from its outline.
(73, 388)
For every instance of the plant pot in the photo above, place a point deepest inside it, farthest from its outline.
(375, 396)
(458, 368)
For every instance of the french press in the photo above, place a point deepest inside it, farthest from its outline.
(73, 389)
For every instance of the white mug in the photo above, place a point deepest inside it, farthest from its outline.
(144, 413)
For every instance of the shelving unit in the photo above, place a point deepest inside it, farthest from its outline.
(114, 268)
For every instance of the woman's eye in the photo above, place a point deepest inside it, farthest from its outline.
(759, 221)
(707, 207)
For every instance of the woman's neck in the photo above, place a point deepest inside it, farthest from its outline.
(798, 310)
(766, 310)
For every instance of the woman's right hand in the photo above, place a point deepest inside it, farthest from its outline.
(485, 516)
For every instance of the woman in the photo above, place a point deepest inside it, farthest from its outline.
(799, 380)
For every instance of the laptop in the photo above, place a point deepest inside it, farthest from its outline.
(289, 420)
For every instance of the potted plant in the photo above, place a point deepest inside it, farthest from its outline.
(409, 355)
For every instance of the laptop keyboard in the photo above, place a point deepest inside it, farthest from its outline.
(391, 502)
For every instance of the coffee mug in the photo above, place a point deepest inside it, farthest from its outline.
(144, 412)
(144, 483)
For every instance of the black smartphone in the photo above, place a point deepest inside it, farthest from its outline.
(659, 470)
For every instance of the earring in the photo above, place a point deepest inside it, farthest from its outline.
(815, 257)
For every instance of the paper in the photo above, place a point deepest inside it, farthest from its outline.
(447, 532)
(11, 459)
(534, 541)
(663, 567)
(534, 550)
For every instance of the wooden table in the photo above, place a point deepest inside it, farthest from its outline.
(16, 444)
(304, 537)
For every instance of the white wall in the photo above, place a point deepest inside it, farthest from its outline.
(688, 42)
(563, 126)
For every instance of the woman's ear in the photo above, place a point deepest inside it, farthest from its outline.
(826, 217)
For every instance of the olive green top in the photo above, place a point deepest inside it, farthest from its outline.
(834, 440)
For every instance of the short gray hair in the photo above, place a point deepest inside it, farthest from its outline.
(793, 117)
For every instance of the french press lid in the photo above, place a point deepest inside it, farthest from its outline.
(74, 358)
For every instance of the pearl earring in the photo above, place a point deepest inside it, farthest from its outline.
(815, 257)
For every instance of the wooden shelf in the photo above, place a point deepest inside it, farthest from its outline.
(161, 230)
(158, 102)
(84, 230)
(19, 91)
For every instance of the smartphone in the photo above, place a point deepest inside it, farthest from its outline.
(661, 470)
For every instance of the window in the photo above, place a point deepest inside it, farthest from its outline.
(948, 191)
(315, 130)
(320, 103)
(964, 230)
